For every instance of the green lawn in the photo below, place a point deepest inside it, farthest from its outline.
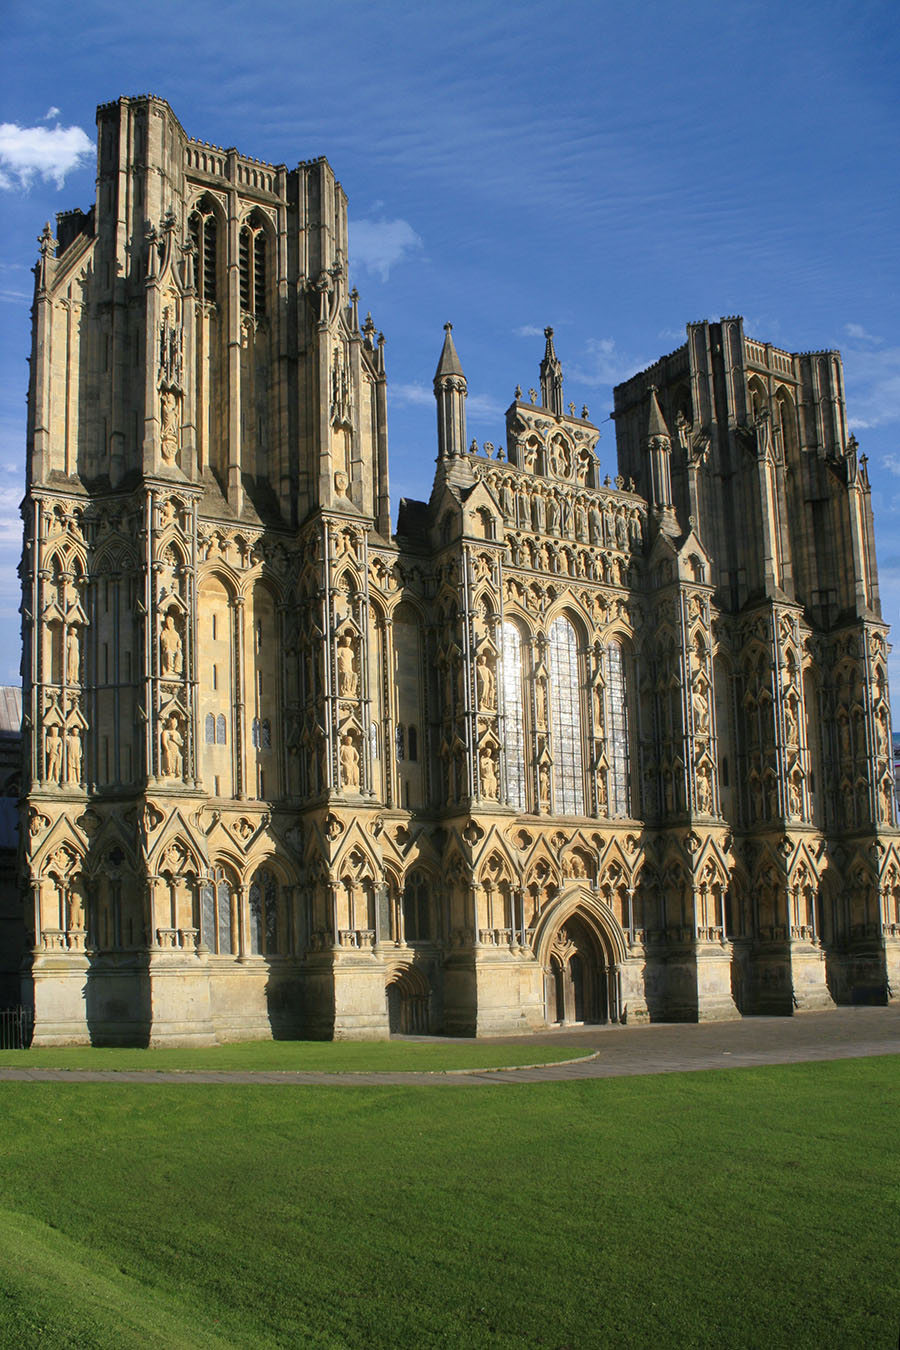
(318, 1056)
(740, 1208)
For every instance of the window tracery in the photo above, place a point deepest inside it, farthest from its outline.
(565, 716)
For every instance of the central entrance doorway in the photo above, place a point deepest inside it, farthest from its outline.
(578, 982)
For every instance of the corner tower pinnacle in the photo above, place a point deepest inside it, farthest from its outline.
(450, 391)
(551, 377)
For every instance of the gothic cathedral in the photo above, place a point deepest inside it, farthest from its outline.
(561, 749)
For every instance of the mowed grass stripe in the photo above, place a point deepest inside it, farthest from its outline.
(297, 1056)
(741, 1207)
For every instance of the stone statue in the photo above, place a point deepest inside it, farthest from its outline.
(701, 711)
(73, 755)
(540, 699)
(790, 723)
(54, 754)
(704, 795)
(73, 655)
(172, 743)
(170, 647)
(487, 685)
(168, 435)
(348, 678)
(489, 781)
(349, 761)
(544, 782)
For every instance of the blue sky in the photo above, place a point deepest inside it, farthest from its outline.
(612, 170)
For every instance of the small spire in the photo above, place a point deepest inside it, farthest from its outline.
(449, 364)
(551, 377)
(656, 423)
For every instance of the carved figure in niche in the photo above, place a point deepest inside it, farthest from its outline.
(596, 525)
(790, 723)
(167, 515)
(73, 755)
(540, 701)
(170, 647)
(172, 748)
(887, 802)
(487, 684)
(529, 455)
(348, 678)
(54, 754)
(168, 436)
(794, 797)
(75, 905)
(881, 733)
(544, 785)
(844, 735)
(704, 792)
(701, 711)
(621, 532)
(559, 460)
(552, 515)
(349, 761)
(538, 517)
(489, 780)
(73, 655)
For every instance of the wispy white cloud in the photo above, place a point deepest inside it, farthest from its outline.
(479, 407)
(50, 114)
(528, 330)
(891, 463)
(415, 395)
(872, 377)
(376, 246)
(14, 297)
(604, 364)
(49, 153)
(859, 334)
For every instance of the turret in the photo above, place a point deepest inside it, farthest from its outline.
(658, 446)
(450, 392)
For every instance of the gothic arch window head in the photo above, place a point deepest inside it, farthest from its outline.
(203, 231)
(565, 718)
(252, 260)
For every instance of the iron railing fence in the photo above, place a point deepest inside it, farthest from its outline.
(16, 1025)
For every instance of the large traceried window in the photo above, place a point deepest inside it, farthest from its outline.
(617, 732)
(252, 266)
(565, 713)
(514, 714)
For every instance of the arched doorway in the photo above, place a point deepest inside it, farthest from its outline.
(578, 982)
(407, 1003)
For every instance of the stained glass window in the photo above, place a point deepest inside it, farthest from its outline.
(263, 914)
(514, 717)
(565, 713)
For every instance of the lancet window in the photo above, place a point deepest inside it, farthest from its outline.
(565, 713)
(252, 267)
(216, 914)
(514, 715)
(416, 909)
(263, 914)
(617, 732)
(203, 231)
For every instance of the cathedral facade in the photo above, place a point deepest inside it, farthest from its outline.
(561, 749)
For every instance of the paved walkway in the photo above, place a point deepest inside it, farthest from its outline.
(844, 1033)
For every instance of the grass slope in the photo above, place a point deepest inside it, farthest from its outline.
(740, 1207)
(318, 1056)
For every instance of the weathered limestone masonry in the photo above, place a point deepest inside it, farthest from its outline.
(563, 749)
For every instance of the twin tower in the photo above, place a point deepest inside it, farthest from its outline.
(564, 748)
